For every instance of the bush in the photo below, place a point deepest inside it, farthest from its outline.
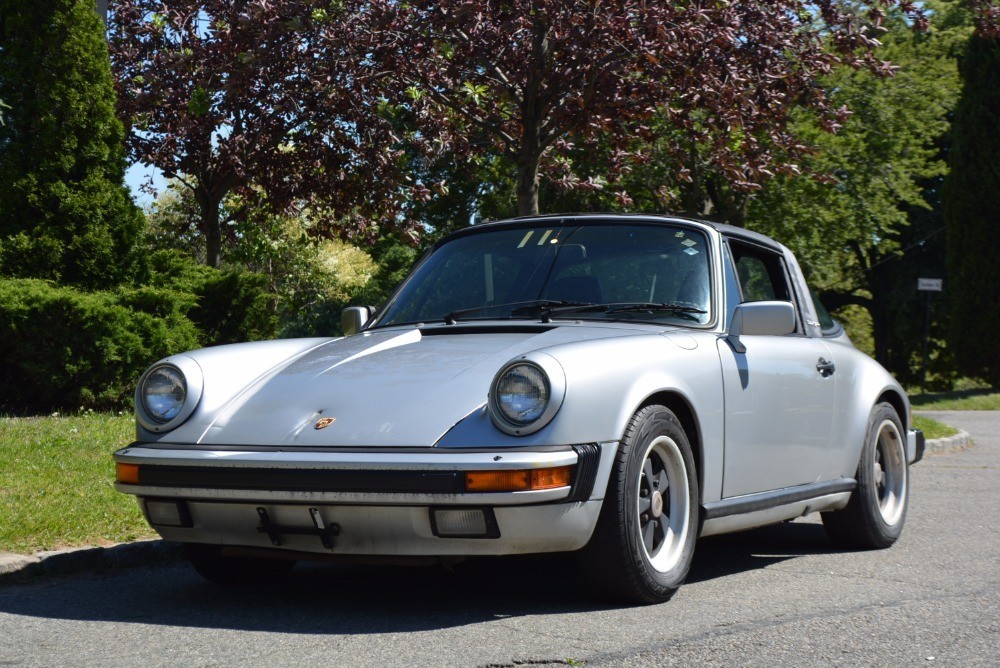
(66, 349)
(227, 305)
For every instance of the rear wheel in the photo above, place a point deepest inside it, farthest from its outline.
(644, 541)
(875, 515)
(212, 565)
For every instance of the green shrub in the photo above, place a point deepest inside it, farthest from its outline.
(66, 349)
(228, 305)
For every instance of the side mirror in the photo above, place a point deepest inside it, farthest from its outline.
(760, 319)
(353, 318)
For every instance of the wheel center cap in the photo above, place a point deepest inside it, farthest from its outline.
(657, 504)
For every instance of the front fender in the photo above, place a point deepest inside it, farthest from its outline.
(607, 381)
(232, 369)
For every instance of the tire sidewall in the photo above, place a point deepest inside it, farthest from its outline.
(867, 490)
(651, 423)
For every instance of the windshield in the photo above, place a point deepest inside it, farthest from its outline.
(655, 273)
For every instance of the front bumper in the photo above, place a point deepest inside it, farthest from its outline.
(363, 502)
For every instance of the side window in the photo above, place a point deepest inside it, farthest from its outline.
(760, 273)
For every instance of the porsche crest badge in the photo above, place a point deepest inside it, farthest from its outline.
(323, 423)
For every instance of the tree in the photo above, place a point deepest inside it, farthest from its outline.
(533, 79)
(223, 95)
(307, 278)
(65, 213)
(972, 210)
(853, 228)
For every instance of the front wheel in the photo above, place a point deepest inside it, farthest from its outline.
(874, 516)
(213, 565)
(644, 541)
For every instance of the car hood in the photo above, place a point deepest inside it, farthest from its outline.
(393, 388)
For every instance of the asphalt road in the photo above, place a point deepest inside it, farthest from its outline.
(775, 596)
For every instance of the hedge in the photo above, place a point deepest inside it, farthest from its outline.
(63, 349)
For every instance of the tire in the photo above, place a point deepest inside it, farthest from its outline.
(643, 543)
(874, 517)
(212, 565)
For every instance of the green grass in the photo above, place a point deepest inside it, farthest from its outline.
(57, 483)
(964, 400)
(932, 428)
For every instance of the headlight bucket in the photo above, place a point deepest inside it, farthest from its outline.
(526, 394)
(167, 393)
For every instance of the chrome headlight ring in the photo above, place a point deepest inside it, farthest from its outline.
(526, 394)
(168, 392)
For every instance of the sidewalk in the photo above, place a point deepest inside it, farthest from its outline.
(15, 567)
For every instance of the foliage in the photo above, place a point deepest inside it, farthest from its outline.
(222, 95)
(63, 348)
(972, 209)
(860, 232)
(227, 306)
(394, 261)
(530, 80)
(65, 213)
(55, 483)
(308, 279)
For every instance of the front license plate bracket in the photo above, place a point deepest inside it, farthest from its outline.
(325, 532)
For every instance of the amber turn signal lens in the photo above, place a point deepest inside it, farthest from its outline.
(518, 481)
(496, 481)
(561, 476)
(127, 473)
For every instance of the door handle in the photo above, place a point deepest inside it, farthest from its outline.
(825, 368)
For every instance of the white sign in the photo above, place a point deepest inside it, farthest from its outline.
(930, 284)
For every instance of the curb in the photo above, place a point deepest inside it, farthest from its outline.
(17, 567)
(954, 443)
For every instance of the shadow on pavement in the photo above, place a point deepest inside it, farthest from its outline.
(339, 599)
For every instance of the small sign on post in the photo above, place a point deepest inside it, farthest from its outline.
(928, 285)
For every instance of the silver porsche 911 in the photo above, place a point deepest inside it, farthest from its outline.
(616, 385)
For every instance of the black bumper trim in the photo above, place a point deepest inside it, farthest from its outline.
(588, 461)
(303, 480)
(921, 445)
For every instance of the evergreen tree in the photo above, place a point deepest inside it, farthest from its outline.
(65, 213)
(972, 211)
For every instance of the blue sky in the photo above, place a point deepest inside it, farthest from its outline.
(134, 178)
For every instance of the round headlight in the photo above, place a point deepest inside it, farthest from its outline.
(163, 393)
(522, 394)
(526, 394)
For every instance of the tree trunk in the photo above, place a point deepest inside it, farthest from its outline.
(530, 153)
(210, 226)
(527, 185)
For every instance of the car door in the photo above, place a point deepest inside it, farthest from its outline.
(779, 393)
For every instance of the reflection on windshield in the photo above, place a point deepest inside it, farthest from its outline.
(494, 274)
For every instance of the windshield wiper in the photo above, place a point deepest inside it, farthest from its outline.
(684, 310)
(515, 307)
(549, 308)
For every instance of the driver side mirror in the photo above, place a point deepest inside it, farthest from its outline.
(760, 319)
(353, 319)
